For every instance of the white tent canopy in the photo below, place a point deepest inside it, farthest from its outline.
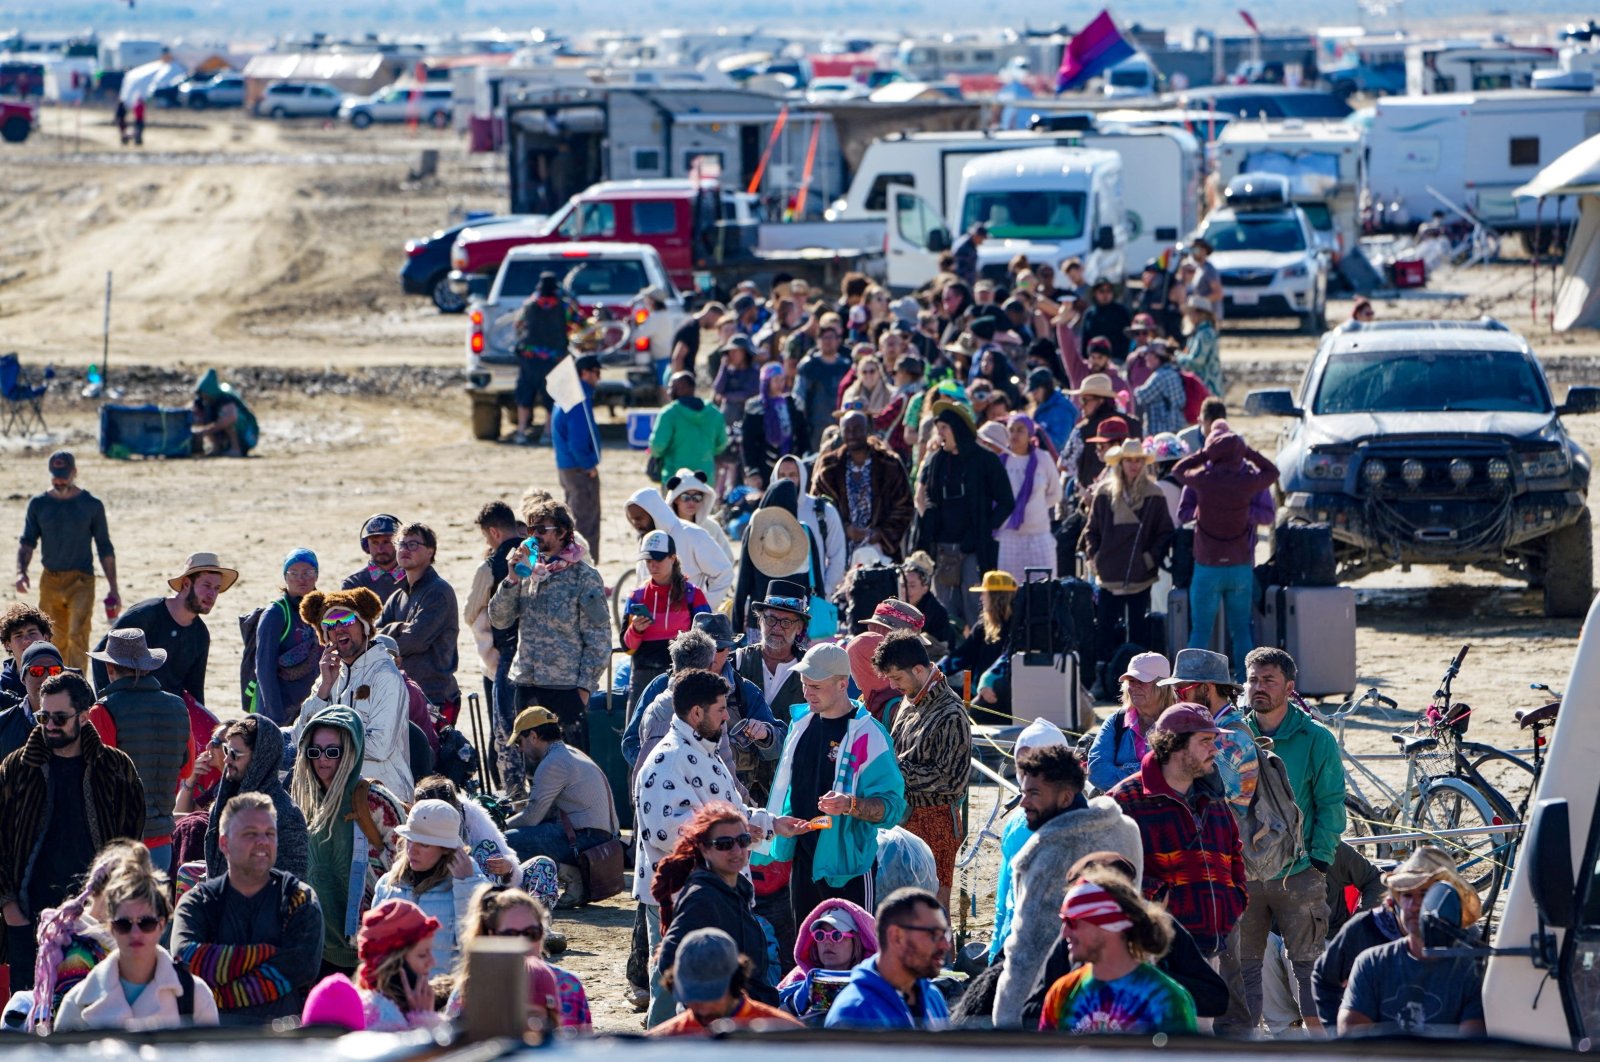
(150, 78)
(1576, 173)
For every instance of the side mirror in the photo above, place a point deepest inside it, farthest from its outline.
(1271, 404)
(1105, 238)
(1549, 855)
(1580, 400)
(939, 241)
(1441, 916)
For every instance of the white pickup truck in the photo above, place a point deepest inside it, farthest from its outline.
(606, 282)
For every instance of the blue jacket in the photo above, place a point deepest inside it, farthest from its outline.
(1012, 838)
(447, 901)
(1113, 756)
(1056, 415)
(573, 432)
(870, 1002)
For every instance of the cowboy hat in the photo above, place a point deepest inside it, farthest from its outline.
(1428, 865)
(1127, 450)
(993, 436)
(995, 582)
(966, 343)
(776, 543)
(197, 563)
(1097, 384)
(126, 649)
(786, 597)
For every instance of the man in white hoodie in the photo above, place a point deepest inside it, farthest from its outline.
(821, 518)
(704, 563)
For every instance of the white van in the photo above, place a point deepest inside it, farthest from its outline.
(1050, 204)
(1134, 76)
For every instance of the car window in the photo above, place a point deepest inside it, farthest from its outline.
(1320, 216)
(655, 218)
(597, 219)
(1022, 215)
(1389, 381)
(1277, 233)
(610, 279)
(288, 90)
(437, 93)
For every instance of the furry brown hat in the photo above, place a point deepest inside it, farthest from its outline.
(361, 601)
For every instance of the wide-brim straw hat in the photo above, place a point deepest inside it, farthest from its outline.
(776, 543)
(200, 563)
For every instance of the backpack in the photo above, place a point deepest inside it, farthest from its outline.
(186, 996)
(248, 623)
(361, 813)
(1271, 833)
(1194, 393)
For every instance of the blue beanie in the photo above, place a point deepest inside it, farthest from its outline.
(298, 556)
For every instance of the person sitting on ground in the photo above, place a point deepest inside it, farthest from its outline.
(223, 424)
(480, 836)
(710, 977)
(137, 986)
(569, 807)
(555, 997)
(433, 870)
(894, 989)
(834, 938)
(1116, 934)
(253, 749)
(1122, 740)
(396, 949)
(254, 932)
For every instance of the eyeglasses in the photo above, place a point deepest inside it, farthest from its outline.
(123, 926)
(411, 545)
(56, 718)
(829, 935)
(530, 933)
(44, 670)
(233, 753)
(339, 621)
(783, 623)
(725, 844)
(317, 752)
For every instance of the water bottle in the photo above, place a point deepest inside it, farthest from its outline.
(523, 568)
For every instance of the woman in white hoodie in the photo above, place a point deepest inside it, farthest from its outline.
(137, 988)
(704, 563)
(821, 517)
(686, 481)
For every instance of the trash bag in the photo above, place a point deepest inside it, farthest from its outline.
(904, 861)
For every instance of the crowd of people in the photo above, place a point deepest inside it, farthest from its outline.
(801, 681)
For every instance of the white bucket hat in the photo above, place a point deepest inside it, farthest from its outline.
(433, 822)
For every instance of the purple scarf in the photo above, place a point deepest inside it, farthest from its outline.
(775, 411)
(1021, 508)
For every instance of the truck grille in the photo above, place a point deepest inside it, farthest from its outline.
(1247, 278)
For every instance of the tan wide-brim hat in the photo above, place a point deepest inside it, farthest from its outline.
(777, 543)
(198, 563)
(1097, 384)
(1130, 450)
(1429, 864)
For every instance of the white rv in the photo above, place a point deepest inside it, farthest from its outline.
(1322, 161)
(1473, 66)
(1475, 149)
(934, 58)
(1161, 176)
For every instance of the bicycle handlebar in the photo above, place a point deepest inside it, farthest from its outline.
(1455, 665)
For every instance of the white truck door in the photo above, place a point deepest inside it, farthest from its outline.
(914, 234)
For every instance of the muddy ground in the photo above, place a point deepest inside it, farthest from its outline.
(270, 251)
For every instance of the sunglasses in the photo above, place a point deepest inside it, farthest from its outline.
(56, 718)
(44, 670)
(542, 529)
(692, 496)
(233, 753)
(340, 621)
(530, 933)
(829, 935)
(124, 926)
(725, 844)
(317, 752)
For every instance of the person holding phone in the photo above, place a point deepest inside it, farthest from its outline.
(396, 947)
(658, 611)
(434, 871)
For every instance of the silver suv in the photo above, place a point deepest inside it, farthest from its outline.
(299, 99)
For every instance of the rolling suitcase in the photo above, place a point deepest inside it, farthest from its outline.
(1179, 622)
(1049, 691)
(1317, 626)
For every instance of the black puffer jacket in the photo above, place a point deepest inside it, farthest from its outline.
(969, 497)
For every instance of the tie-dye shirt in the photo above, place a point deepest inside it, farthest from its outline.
(1144, 1001)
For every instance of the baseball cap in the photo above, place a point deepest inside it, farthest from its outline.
(39, 650)
(824, 661)
(1186, 717)
(528, 718)
(838, 918)
(657, 545)
(1147, 667)
(705, 964)
(62, 464)
(386, 643)
(587, 363)
(681, 377)
(379, 524)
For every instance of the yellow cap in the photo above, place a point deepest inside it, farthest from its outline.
(528, 718)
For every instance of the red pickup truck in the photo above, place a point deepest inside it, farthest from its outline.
(17, 120)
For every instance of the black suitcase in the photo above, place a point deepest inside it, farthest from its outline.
(1077, 610)
(870, 587)
(1180, 560)
(1302, 555)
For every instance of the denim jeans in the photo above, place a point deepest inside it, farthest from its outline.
(161, 857)
(550, 839)
(1233, 587)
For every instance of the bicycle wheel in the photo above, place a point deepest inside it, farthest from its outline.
(1511, 775)
(619, 597)
(1453, 804)
(1361, 820)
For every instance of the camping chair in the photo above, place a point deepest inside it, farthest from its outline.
(20, 396)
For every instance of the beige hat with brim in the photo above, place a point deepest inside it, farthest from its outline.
(1097, 384)
(1131, 450)
(777, 543)
(1429, 864)
(199, 563)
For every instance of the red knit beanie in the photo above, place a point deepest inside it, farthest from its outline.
(393, 925)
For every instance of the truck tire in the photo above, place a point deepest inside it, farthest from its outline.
(1569, 569)
(439, 119)
(197, 102)
(444, 296)
(15, 129)
(486, 418)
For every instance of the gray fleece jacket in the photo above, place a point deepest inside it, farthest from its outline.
(1039, 881)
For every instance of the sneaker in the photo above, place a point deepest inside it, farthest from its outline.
(555, 942)
(523, 438)
(639, 998)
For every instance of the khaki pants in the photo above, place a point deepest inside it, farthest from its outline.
(582, 493)
(68, 599)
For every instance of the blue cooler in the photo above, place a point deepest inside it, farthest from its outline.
(641, 422)
(145, 431)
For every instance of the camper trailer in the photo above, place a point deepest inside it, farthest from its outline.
(1322, 161)
(1473, 66)
(1475, 149)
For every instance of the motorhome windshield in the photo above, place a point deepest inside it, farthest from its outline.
(1392, 381)
(1275, 233)
(1310, 174)
(1026, 215)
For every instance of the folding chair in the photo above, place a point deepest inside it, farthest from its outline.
(21, 397)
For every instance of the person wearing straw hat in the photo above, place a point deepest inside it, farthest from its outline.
(173, 625)
(963, 498)
(1101, 423)
(776, 546)
(1393, 987)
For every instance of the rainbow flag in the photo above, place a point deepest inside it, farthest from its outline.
(1097, 47)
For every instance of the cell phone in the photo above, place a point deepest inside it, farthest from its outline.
(639, 608)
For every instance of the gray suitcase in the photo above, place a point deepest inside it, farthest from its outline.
(1051, 692)
(1180, 622)
(1317, 626)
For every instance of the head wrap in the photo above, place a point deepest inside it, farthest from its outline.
(1025, 492)
(300, 556)
(1088, 902)
(775, 421)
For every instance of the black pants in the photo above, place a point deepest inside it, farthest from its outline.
(1119, 619)
(22, 948)
(567, 705)
(805, 894)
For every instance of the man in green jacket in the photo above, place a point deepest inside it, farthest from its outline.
(688, 433)
(1297, 899)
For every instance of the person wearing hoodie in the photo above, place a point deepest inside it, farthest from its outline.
(705, 564)
(963, 497)
(1065, 829)
(688, 433)
(359, 674)
(835, 937)
(820, 516)
(433, 870)
(660, 609)
(774, 425)
(253, 764)
(894, 989)
(777, 548)
(1222, 478)
(351, 824)
(691, 498)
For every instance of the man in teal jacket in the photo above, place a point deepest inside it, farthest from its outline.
(689, 433)
(1297, 899)
(838, 765)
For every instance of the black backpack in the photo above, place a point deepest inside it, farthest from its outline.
(869, 588)
(248, 623)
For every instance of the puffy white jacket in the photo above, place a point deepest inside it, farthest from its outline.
(373, 687)
(703, 519)
(679, 776)
(704, 562)
(98, 1001)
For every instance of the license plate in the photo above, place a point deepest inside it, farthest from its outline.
(1245, 298)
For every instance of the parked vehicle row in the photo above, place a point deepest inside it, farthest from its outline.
(426, 104)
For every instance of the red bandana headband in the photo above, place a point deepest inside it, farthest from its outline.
(1088, 902)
